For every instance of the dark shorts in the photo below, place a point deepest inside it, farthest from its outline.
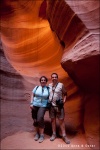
(38, 116)
(56, 112)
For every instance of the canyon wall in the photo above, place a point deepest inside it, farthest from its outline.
(41, 37)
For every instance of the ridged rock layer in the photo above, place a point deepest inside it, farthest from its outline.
(62, 36)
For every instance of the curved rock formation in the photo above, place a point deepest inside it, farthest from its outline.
(80, 37)
(81, 56)
(41, 37)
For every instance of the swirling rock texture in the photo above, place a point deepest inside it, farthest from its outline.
(80, 36)
(41, 37)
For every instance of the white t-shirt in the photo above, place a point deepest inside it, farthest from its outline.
(56, 92)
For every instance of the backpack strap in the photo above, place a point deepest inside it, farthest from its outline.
(48, 91)
(35, 90)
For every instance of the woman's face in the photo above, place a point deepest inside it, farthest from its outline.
(43, 81)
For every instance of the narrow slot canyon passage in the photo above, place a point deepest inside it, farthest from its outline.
(39, 37)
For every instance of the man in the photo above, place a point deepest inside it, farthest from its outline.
(57, 98)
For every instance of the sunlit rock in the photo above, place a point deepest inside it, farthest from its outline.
(41, 37)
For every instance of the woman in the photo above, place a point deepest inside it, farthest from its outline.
(39, 100)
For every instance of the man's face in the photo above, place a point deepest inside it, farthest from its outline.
(54, 78)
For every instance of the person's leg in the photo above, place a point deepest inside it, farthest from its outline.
(36, 126)
(52, 115)
(40, 120)
(53, 123)
(35, 123)
(62, 125)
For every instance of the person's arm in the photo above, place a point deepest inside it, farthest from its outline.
(64, 98)
(32, 96)
(31, 102)
(64, 94)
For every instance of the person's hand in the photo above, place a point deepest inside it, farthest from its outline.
(31, 106)
(64, 99)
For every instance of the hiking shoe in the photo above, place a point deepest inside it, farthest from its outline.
(53, 137)
(36, 137)
(65, 139)
(41, 139)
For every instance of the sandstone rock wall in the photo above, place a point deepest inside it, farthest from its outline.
(41, 37)
(13, 85)
(76, 23)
